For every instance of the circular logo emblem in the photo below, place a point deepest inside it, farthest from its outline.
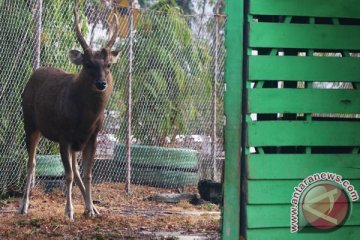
(325, 206)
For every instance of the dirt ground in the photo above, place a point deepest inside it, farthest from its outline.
(123, 216)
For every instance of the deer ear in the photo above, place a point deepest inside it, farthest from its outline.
(114, 56)
(76, 57)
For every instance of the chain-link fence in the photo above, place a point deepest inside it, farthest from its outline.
(176, 75)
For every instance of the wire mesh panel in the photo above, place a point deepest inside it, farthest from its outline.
(176, 61)
(16, 32)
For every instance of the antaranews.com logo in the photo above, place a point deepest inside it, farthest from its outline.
(321, 202)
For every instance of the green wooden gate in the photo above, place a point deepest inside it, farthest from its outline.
(293, 105)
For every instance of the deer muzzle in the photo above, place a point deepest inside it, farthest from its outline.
(100, 85)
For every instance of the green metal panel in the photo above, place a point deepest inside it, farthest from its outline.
(320, 69)
(299, 166)
(319, 36)
(308, 8)
(348, 233)
(303, 133)
(278, 216)
(303, 101)
(290, 142)
(233, 103)
(278, 189)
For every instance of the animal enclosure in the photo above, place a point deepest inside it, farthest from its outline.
(176, 72)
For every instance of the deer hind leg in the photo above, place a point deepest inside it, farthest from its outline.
(32, 140)
(78, 179)
(88, 159)
(69, 176)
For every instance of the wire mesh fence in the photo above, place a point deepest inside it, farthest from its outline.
(177, 90)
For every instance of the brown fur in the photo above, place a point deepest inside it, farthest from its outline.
(63, 106)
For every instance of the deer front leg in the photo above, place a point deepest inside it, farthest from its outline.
(78, 179)
(77, 176)
(69, 176)
(32, 141)
(88, 159)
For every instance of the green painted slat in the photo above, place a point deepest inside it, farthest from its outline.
(290, 68)
(300, 166)
(303, 101)
(279, 190)
(232, 107)
(312, 36)
(346, 233)
(303, 133)
(311, 8)
(279, 216)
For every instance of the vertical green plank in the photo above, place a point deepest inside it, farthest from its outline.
(233, 103)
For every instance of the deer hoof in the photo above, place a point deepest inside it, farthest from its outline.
(69, 212)
(70, 215)
(89, 213)
(92, 212)
(23, 208)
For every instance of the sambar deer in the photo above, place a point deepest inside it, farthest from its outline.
(69, 109)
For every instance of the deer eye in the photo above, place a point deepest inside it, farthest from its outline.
(108, 66)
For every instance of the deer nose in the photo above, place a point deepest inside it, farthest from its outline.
(101, 85)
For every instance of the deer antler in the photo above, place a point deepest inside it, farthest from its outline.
(113, 38)
(79, 36)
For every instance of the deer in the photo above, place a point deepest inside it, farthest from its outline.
(69, 109)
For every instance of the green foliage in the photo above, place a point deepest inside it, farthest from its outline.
(58, 33)
(15, 67)
(166, 6)
(171, 77)
(185, 5)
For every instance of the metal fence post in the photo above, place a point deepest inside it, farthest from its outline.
(37, 46)
(214, 96)
(129, 99)
(37, 38)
